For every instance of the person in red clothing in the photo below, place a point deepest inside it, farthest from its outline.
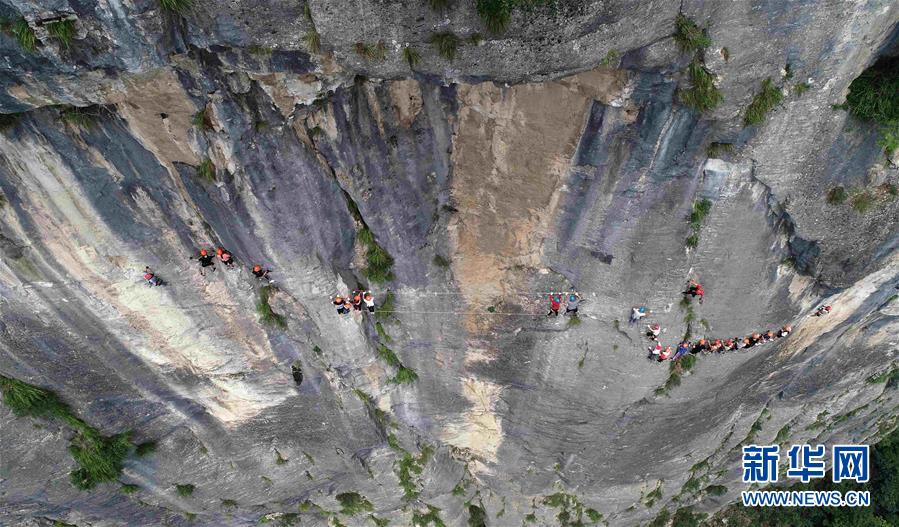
(695, 289)
(555, 303)
(665, 354)
(225, 256)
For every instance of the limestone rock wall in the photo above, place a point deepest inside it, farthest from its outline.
(535, 161)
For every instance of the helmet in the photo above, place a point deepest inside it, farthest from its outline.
(257, 268)
(203, 252)
(788, 328)
(148, 276)
(338, 297)
(572, 298)
(701, 341)
(656, 327)
(219, 251)
(368, 296)
(827, 308)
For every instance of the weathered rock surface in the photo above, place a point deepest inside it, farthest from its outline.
(528, 164)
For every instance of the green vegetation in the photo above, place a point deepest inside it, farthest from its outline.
(862, 201)
(379, 263)
(702, 95)
(689, 36)
(685, 517)
(782, 435)
(206, 170)
(8, 120)
(264, 309)
(372, 52)
(313, 41)
(201, 120)
(889, 139)
(574, 321)
(611, 59)
(388, 356)
(229, 504)
(81, 117)
(459, 489)
(884, 377)
(404, 376)
(352, 503)
(380, 416)
(382, 333)
(653, 496)
(715, 149)
(185, 490)
(763, 102)
(408, 467)
(837, 195)
(63, 31)
(874, 95)
(411, 56)
(441, 262)
(279, 459)
(692, 485)
(24, 35)
(145, 449)
(384, 312)
(716, 490)
(99, 458)
(883, 512)
(128, 488)
(496, 14)
(661, 520)
(176, 6)
(571, 510)
(801, 88)
(379, 522)
(438, 4)
(477, 516)
(698, 214)
(431, 517)
(446, 44)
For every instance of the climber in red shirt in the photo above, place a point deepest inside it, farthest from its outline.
(555, 303)
(695, 289)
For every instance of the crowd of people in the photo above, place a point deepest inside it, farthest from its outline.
(354, 302)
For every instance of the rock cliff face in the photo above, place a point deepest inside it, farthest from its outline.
(558, 155)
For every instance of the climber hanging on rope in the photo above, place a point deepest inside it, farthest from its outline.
(637, 313)
(574, 299)
(694, 289)
(225, 256)
(260, 272)
(151, 278)
(823, 310)
(205, 260)
(654, 331)
(555, 303)
(369, 300)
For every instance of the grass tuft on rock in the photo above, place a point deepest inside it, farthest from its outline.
(99, 458)
(764, 101)
(862, 201)
(206, 170)
(404, 376)
(702, 95)
(81, 117)
(185, 490)
(63, 31)
(352, 503)
(411, 56)
(128, 489)
(176, 6)
(388, 356)
(264, 309)
(496, 15)
(715, 149)
(313, 41)
(23, 33)
(145, 449)
(446, 44)
(837, 195)
(690, 37)
(371, 52)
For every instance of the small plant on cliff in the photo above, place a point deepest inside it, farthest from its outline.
(837, 195)
(495, 14)
(99, 458)
(874, 95)
(77, 116)
(313, 41)
(862, 201)
(689, 36)
(184, 490)
(404, 376)
(763, 102)
(373, 52)
(352, 503)
(446, 43)
(715, 149)
(889, 138)
(702, 95)
(128, 488)
(24, 35)
(176, 6)
(264, 309)
(145, 449)
(201, 119)
(698, 214)
(8, 120)
(63, 31)
(206, 170)
(411, 56)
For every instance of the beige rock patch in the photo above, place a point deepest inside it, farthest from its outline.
(406, 98)
(479, 429)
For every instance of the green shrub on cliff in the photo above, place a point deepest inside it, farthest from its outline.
(63, 31)
(763, 102)
(446, 44)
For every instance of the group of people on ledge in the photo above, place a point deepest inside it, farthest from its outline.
(207, 260)
(354, 302)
